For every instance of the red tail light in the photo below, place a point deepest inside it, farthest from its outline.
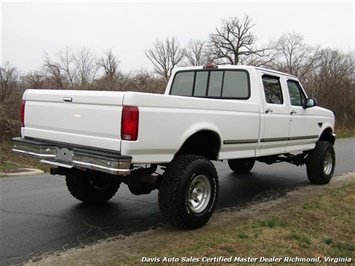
(129, 123)
(23, 113)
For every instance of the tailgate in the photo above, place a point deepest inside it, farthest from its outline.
(81, 118)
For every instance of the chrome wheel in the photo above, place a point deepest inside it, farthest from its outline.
(321, 163)
(188, 191)
(199, 194)
(328, 163)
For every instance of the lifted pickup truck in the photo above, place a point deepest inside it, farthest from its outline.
(243, 114)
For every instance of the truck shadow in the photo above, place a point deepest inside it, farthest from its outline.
(261, 184)
(126, 213)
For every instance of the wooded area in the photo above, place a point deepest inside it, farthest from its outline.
(327, 74)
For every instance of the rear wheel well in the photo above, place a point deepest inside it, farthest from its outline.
(327, 136)
(204, 143)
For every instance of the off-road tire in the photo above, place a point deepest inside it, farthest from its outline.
(91, 187)
(188, 191)
(241, 166)
(321, 163)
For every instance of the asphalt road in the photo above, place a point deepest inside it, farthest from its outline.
(38, 215)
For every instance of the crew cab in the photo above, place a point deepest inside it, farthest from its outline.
(242, 114)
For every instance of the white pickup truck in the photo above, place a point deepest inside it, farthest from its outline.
(243, 114)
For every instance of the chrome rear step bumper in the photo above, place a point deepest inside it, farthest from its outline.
(66, 156)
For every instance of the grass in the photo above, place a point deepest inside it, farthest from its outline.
(343, 133)
(5, 167)
(318, 228)
(10, 160)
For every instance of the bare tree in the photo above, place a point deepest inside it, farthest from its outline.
(196, 53)
(8, 80)
(112, 77)
(165, 55)
(86, 67)
(109, 62)
(67, 65)
(233, 41)
(333, 84)
(10, 98)
(265, 57)
(54, 71)
(297, 57)
(145, 81)
(72, 69)
(34, 80)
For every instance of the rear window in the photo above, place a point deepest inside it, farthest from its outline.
(229, 84)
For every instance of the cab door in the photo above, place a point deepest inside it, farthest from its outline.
(275, 116)
(304, 123)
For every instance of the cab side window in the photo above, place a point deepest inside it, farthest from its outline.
(272, 88)
(297, 96)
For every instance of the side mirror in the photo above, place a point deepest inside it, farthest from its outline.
(310, 102)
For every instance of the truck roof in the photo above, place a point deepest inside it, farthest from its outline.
(246, 67)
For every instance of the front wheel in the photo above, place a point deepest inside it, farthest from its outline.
(188, 192)
(321, 163)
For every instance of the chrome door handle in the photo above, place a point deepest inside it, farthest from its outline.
(269, 110)
(67, 99)
(293, 112)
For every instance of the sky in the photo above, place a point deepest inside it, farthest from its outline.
(31, 29)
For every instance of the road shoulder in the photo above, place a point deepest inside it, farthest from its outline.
(21, 172)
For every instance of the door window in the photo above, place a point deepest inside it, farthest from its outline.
(272, 88)
(297, 96)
